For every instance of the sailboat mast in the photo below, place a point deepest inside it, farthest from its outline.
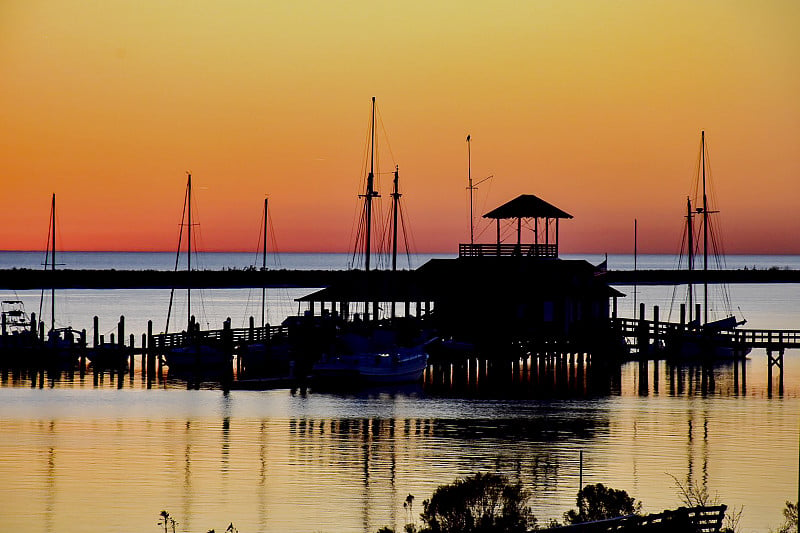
(53, 266)
(395, 206)
(690, 254)
(705, 229)
(635, 257)
(471, 188)
(189, 251)
(370, 190)
(264, 268)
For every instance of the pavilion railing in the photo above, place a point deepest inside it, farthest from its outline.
(507, 250)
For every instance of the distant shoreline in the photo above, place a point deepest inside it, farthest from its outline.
(22, 278)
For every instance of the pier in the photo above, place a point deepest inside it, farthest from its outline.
(648, 338)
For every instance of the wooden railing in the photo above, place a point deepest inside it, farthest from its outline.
(754, 338)
(238, 336)
(507, 250)
(695, 519)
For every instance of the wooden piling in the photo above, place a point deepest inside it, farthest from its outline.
(144, 356)
(132, 364)
(655, 328)
(96, 332)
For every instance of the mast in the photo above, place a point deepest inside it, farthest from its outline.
(690, 255)
(705, 229)
(395, 205)
(53, 266)
(471, 188)
(189, 251)
(370, 190)
(264, 268)
(635, 256)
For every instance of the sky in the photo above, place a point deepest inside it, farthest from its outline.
(596, 107)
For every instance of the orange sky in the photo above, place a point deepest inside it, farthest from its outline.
(596, 107)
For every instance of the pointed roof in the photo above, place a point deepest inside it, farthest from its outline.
(527, 206)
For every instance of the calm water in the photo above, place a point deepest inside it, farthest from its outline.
(75, 456)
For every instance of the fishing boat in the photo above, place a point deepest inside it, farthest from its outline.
(18, 339)
(198, 352)
(705, 336)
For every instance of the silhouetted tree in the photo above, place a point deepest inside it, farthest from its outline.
(167, 521)
(598, 502)
(479, 503)
(790, 524)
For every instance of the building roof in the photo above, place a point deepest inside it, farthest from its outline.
(527, 206)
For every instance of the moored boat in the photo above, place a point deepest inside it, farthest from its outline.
(369, 358)
(702, 338)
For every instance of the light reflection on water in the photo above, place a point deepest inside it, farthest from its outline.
(75, 458)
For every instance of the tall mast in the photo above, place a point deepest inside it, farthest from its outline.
(370, 190)
(264, 268)
(53, 266)
(690, 255)
(395, 204)
(705, 230)
(471, 188)
(635, 256)
(189, 250)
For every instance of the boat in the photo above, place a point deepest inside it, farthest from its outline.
(61, 345)
(364, 348)
(370, 358)
(198, 352)
(703, 337)
(19, 336)
(267, 356)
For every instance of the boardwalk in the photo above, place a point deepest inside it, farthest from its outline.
(649, 330)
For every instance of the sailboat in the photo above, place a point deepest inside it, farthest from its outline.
(372, 351)
(702, 337)
(198, 353)
(62, 344)
(269, 356)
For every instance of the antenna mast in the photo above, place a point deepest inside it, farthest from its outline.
(471, 188)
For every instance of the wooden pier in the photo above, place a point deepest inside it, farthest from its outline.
(649, 339)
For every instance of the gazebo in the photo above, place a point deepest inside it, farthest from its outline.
(524, 206)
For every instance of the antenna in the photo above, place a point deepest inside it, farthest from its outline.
(471, 187)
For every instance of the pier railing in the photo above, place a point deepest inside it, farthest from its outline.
(238, 336)
(507, 250)
(753, 338)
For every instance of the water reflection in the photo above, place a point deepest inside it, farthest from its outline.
(275, 461)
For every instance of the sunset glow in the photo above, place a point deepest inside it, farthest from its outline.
(596, 107)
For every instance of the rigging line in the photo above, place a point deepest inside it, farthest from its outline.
(385, 135)
(177, 256)
(46, 257)
(273, 240)
(679, 262)
(405, 235)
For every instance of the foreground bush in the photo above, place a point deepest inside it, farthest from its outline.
(598, 502)
(479, 503)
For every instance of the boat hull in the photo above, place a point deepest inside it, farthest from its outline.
(407, 365)
(196, 356)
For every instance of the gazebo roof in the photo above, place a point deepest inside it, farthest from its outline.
(527, 206)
